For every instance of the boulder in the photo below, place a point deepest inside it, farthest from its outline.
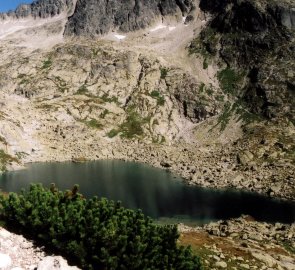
(221, 264)
(5, 261)
(265, 258)
(244, 158)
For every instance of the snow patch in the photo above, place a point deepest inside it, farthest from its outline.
(120, 37)
(158, 27)
(171, 28)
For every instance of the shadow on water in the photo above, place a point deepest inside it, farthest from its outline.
(158, 193)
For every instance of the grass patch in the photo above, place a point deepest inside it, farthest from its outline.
(47, 64)
(95, 51)
(104, 114)
(131, 127)
(238, 109)
(113, 133)
(288, 246)
(21, 155)
(2, 140)
(93, 123)
(223, 119)
(202, 87)
(82, 90)
(164, 72)
(220, 98)
(106, 98)
(60, 84)
(160, 99)
(25, 79)
(45, 106)
(205, 63)
(205, 45)
(229, 80)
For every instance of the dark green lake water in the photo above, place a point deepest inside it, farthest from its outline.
(158, 193)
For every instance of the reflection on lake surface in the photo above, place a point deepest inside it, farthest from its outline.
(158, 193)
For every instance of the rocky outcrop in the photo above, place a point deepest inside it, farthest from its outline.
(97, 17)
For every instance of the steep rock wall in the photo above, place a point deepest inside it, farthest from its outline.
(96, 17)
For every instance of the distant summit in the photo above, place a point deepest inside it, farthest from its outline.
(39, 9)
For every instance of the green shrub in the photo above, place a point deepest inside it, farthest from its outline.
(97, 233)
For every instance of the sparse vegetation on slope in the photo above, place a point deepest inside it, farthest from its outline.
(5, 159)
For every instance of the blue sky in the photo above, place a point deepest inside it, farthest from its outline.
(6, 5)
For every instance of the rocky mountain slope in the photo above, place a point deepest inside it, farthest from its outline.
(203, 89)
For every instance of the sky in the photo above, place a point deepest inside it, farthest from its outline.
(6, 5)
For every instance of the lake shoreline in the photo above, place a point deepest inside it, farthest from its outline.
(211, 168)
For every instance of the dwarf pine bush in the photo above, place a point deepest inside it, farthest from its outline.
(97, 233)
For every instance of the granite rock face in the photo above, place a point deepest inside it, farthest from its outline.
(96, 17)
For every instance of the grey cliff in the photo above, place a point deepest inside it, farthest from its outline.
(96, 17)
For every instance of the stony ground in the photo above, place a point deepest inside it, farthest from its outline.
(19, 253)
(243, 243)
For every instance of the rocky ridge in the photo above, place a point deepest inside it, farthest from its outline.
(39, 9)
